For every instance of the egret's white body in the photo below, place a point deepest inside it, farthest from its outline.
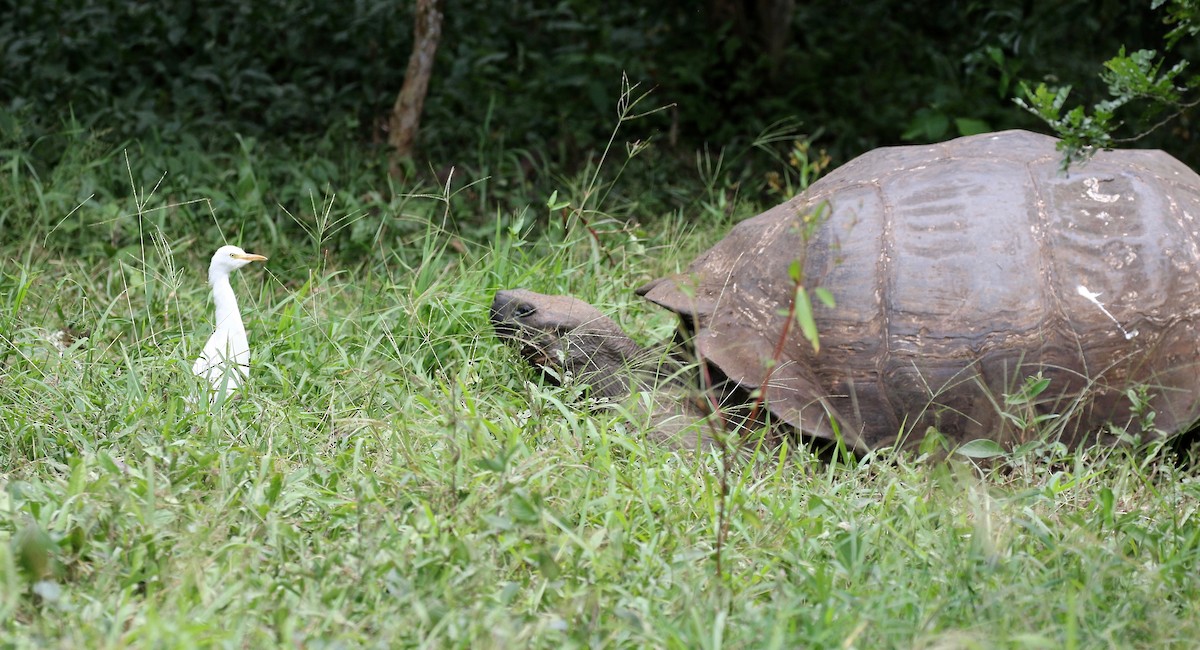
(225, 361)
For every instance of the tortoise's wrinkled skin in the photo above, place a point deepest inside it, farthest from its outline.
(959, 270)
(568, 336)
(570, 339)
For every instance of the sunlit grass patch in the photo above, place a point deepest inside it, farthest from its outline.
(393, 475)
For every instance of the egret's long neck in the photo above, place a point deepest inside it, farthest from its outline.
(223, 298)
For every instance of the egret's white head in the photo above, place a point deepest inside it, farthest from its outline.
(228, 259)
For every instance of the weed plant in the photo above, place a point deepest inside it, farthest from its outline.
(393, 476)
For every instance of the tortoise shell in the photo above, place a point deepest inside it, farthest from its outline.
(960, 270)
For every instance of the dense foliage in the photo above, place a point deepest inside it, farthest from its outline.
(138, 68)
(542, 78)
(1147, 90)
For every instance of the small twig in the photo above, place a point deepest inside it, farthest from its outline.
(591, 231)
(626, 103)
(715, 406)
(1183, 108)
(777, 355)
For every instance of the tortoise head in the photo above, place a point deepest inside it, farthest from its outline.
(565, 336)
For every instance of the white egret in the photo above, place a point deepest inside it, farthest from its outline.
(225, 361)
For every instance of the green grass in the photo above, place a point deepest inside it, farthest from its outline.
(392, 476)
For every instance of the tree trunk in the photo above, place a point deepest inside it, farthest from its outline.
(405, 120)
(765, 25)
(775, 26)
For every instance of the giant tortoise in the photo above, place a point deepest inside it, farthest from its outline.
(960, 271)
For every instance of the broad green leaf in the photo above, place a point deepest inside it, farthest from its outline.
(804, 318)
(825, 296)
(794, 271)
(554, 204)
(980, 448)
(932, 442)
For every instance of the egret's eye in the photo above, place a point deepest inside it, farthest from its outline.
(524, 310)
(233, 254)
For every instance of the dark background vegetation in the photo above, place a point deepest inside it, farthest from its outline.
(524, 91)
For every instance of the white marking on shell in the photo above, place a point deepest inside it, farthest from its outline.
(1093, 191)
(1094, 298)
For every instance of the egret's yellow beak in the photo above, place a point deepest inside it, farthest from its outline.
(251, 257)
